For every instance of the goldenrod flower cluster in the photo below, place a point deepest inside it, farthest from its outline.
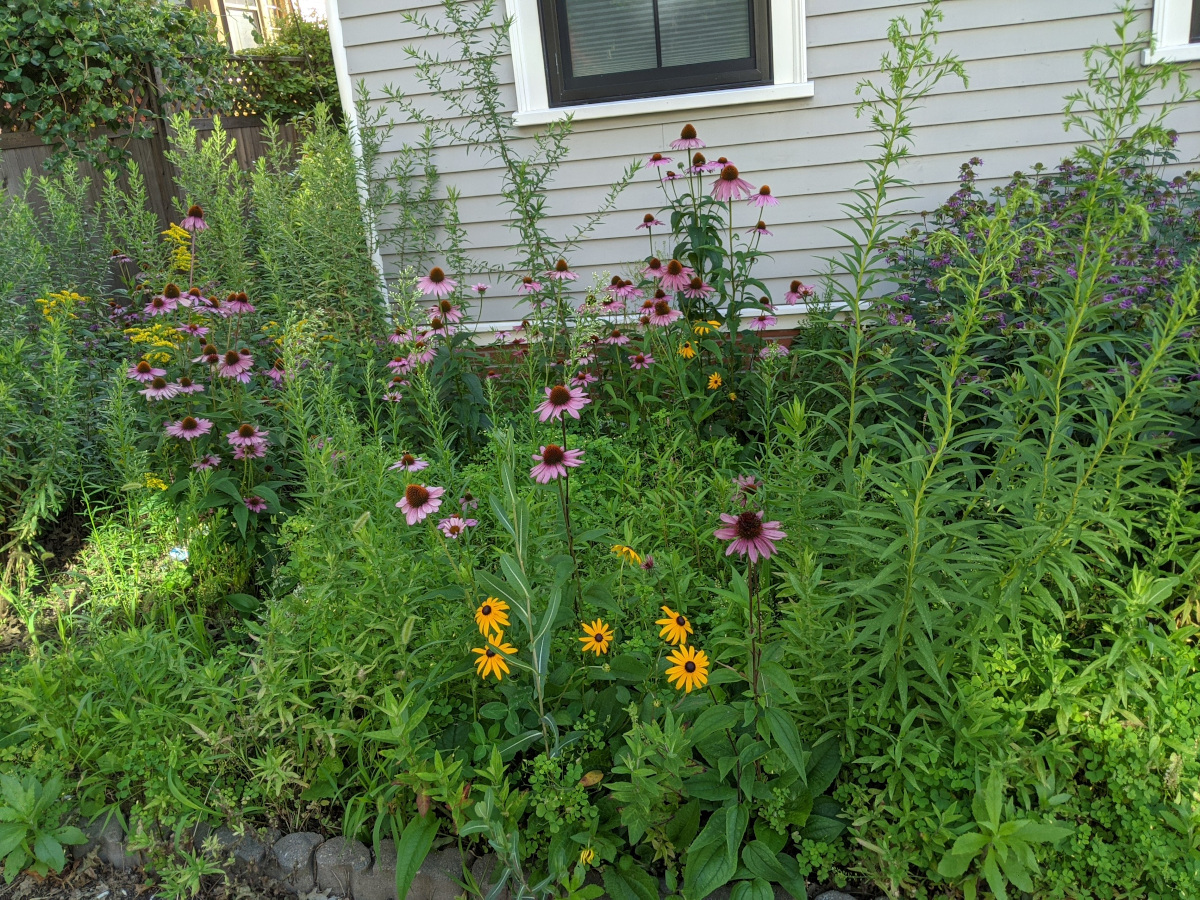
(60, 303)
(159, 339)
(181, 252)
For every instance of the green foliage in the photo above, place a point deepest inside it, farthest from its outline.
(72, 66)
(31, 833)
(289, 75)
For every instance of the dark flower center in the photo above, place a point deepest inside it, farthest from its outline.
(143, 367)
(616, 281)
(689, 667)
(408, 459)
(158, 383)
(760, 225)
(232, 357)
(445, 306)
(765, 190)
(189, 424)
(616, 332)
(553, 455)
(729, 173)
(242, 298)
(185, 382)
(680, 621)
(195, 212)
(657, 157)
(279, 364)
(722, 160)
(646, 220)
(435, 323)
(171, 291)
(209, 350)
(490, 652)
(598, 637)
(436, 275)
(698, 160)
(485, 610)
(247, 431)
(468, 496)
(416, 495)
(674, 267)
(527, 280)
(660, 294)
(455, 529)
(559, 395)
(644, 320)
(561, 266)
(697, 282)
(192, 292)
(662, 308)
(749, 526)
(688, 133)
(655, 263)
(795, 286)
(158, 302)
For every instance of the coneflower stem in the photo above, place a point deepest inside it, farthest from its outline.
(565, 497)
(755, 627)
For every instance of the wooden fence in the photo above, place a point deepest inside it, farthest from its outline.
(22, 151)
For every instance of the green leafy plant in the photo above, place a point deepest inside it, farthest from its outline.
(31, 831)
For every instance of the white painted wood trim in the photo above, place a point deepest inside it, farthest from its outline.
(789, 62)
(1170, 27)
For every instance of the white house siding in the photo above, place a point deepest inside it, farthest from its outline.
(1022, 58)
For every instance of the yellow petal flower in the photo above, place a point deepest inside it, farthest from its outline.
(714, 381)
(596, 637)
(491, 658)
(689, 670)
(628, 554)
(687, 351)
(492, 615)
(675, 627)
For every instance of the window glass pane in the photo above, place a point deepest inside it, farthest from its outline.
(697, 31)
(1195, 35)
(611, 36)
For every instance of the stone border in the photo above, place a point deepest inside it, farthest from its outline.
(305, 861)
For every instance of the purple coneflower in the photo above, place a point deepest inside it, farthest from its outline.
(697, 289)
(657, 159)
(159, 389)
(239, 304)
(663, 314)
(648, 222)
(760, 228)
(583, 379)
(440, 327)
(561, 272)
(616, 338)
(641, 361)
(204, 463)
(730, 186)
(188, 428)
(276, 373)
(393, 396)
(773, 350)
(236, 364)
(677, 276)
(187, 386)
(399, 364)
(409, 463)
(560, 399)
(654, 268)
(528, 286)
(749, 534)
(764, 197)
(762, 322)
(399, 335)
(194, 222)
(255, 503)
(421, 353)
(436, 283)
(612, 306)
(419, 501)
(160, 306)
(468, 501)
(687, 139)
(797, 292)
(145, 373)
(256, 452)
(194, 330)
(121, 258)
(481, 288)
(248, 436)
(209, 354)
(447, 311)
(455, 526)
(553, 462)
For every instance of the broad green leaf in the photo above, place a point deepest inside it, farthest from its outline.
(755, 889)
(787, 738)
(412, 848)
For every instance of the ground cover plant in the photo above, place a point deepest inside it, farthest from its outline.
(636, 596)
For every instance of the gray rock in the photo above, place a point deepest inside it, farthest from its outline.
(438, 878)
(833, 895)
(335, 863)
(225, 839)
(293, 861)
(379, 881)
(195, 835)
(106, 836)
(485, 872)
(252, 849)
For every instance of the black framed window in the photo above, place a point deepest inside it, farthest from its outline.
(1194, 32)
(600, 50)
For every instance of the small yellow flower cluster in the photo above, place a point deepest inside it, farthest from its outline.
(491, 616)
(153, 481)
(181, 254)
(60, 303)
(159, 340)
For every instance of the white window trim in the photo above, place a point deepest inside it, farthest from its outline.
(789, 63)
(1170, 25)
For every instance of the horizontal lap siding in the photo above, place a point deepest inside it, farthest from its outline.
(1022, 57)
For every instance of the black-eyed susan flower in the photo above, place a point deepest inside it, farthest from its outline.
(596, 637)
(675, 627)
(704, 327)
(587, 856)
(491, 659)
(689, 669)
(628, 554)
(492, 615)
(687, 351)
(715, 381)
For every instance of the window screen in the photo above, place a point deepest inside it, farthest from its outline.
(618, 49)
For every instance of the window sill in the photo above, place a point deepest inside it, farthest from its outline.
(673, 103)
(1177, 53)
